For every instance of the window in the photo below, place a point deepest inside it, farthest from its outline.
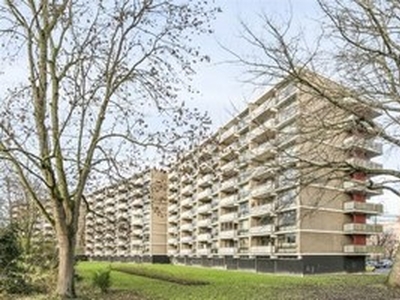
(287, 198)
(287, 218)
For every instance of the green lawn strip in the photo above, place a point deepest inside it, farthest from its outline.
(140, 270)
(242, 285)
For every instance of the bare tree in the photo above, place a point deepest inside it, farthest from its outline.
(101, 89)
(353, 65)
(389, 242)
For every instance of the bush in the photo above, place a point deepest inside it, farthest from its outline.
(102, 280)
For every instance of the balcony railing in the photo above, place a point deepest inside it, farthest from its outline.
(362, 249)
(268, 105)
(263, 151)
(187, 227)
(186, 239)
(205, 180)
(172, 208)
(363, 163)
(230, 184)
(172, 229)
(354, 186)
(206, 194)
(262, 209)
(172, 251)
(204, 237)
(205, 208)
(229, 167)
(136, 242)
(203, 251)
(186, 251)
(204, 223)
(363, 207)
(137, 202)
(228, 217)
(227, 234)
(187, 190)
(261, 250)
(262, 230)
(227, 251)
(285, 94)
(356, 228)
(187, 214)
(187, 202)
(228, 133)
(137, 232)
(263, 190)
(370, 146)
(262, 129)
(228, 201)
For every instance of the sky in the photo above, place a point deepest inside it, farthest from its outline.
(222, 90)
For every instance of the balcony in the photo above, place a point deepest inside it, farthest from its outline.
(227, 251)
(172, 241)
(369, 146)
(186, 179)
(287, 115)
(186, 251)
(172, 230)
(204, 237)
(138, 182)
(187, 227)
(205, 168)
(359, 163)
(173, 219)
(356, 228)
(263, 130)
(228, 201)
(362, 108)
(229, 168)
(229, 153)
(187, 190)
(137, 192)
(263, 172)
(137, 222)
(204, 223)
(186, 240)
(137, 232)
(263, 190)
(173, 186)
(267, 107)
(206, 180)
(187, 214)
(262, 230)
(356, 186)
(365, 249)
(227, 234)
(363, 207)
(136, 242)
(137, 202)
(228, 217)
(263, 151)
(262, 209)
(285, 94)
(172, 252)
(187, 202)
(204, 251)
(173, 176)
(205, 208)
(228, 134)
(229, 185)
(206, 194)
(262, 250)
(173, 208)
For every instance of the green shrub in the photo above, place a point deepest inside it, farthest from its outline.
(102, 280)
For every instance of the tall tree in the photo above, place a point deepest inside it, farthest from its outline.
(100, 88)
(355, 43)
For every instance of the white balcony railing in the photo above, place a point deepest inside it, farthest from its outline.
(228, 217)
(362, 249)
(204, 194)
(267, 105)
(227, 251)
(229, 167)
(263, 151)
(356, 228)
(261, 250)
(172, 251)
(186, 251)
(363, 163)
(172, 208)
(187, 202)
(228, 201)
(227, 234)
(229, 184)
(186, 239)
(204, 208)
(204, 223)
(187, 214)
(204, 237)
(363, 207)
(262, 230)
(262, 209)
(204, 251)
(228, 133)
(263, 190)
(206, 180)
(187, 227)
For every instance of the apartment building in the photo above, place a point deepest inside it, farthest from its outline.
(246, 197)
(128, 220)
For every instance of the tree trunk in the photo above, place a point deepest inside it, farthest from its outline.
(394, 275)
(65, 281)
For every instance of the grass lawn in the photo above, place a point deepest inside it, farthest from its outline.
(232, 285)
